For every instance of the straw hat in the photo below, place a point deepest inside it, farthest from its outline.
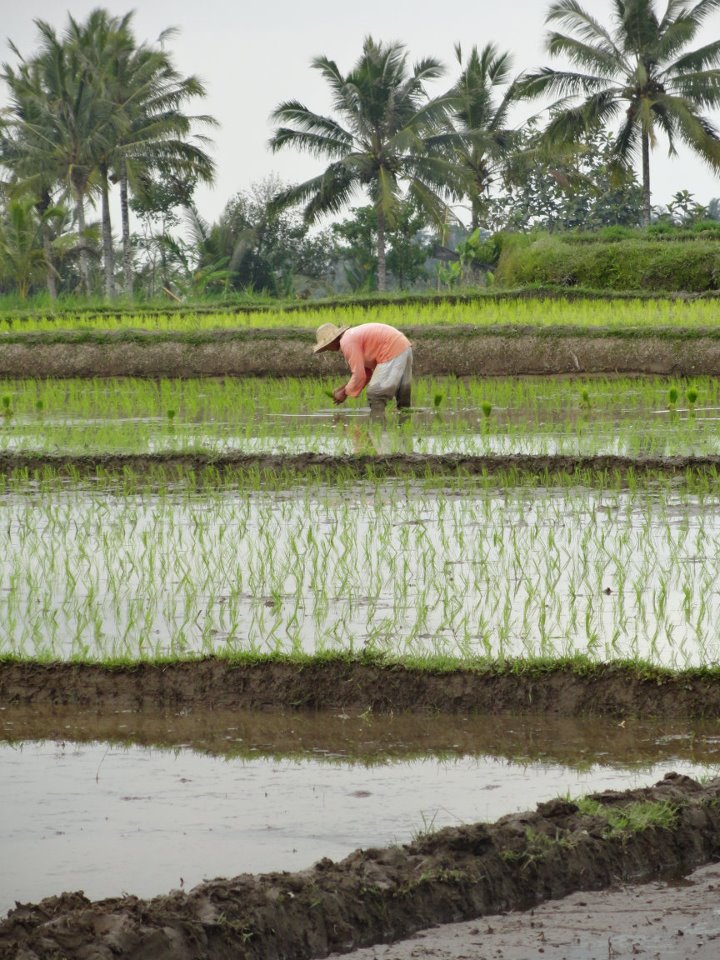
(326, 335)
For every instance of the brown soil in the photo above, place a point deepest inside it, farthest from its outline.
(217, 684)
(463, 351)
(360, 465)
(378, 895)
(660, 920)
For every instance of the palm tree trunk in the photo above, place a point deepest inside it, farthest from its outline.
(127, 252)
(108, 257)
(50, 269)
(646, 177)
(84, 258)
(50, 275)
(382, 270)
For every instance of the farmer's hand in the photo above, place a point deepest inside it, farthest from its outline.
(339, 396)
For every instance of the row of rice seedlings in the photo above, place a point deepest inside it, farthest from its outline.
(234, 398)
(471, 416)
(532, 312)
(401, 569)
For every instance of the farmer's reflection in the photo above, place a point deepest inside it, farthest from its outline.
(375, 436)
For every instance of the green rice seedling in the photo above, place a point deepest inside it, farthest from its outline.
(486, 408)
(691, 395)
(672, 397)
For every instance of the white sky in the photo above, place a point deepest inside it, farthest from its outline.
(252, 55)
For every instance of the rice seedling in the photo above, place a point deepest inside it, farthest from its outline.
(525, 312)
(290, 415)
(475, 568)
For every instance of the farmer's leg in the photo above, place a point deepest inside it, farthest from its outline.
(383, 386)
(404, 392)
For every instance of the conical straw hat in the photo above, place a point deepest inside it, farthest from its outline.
(327, 334)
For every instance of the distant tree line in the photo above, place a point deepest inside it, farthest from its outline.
(440, 174)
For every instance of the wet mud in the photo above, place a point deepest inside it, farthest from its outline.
(462, 350)
(660, 920)
(575, 689)
(378, 895)
(417, 465)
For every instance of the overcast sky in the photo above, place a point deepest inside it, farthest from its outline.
(254, 55)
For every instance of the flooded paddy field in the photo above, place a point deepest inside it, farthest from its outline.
(210, 590)
(145, 802)
(658, 417)
(471, 569)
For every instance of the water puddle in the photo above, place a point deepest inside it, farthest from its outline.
(232, 793)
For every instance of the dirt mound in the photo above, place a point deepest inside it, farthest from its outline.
(378, 895)
(577, 688)
(362, 466)
(462, 350)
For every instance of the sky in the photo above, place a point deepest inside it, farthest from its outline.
(253, 55)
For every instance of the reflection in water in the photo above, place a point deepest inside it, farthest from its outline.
(110, 818)
(136, 801)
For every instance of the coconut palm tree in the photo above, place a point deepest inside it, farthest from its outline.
(378, 143)
(26, 250)
(94, 108)
(152, 133)
(634, 72)
(41, 184)
(480, 139)
(59, 124)
(160, 137)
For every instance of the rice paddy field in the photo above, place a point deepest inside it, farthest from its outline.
(532, 416)
(646, 314)
(112, 571)
(139, 563)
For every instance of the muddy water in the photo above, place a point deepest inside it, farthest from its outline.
(238, 793)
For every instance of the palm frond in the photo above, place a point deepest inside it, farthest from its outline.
(563, 83)
(677, 35)
(571, 14)
(292, 111)
(326, 193)
(600, 58)
(702, 10)
(700, 59)
(702, 89)
(626, 142)
(694, 129)
(570, 124)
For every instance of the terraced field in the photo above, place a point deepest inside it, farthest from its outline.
(450, 602)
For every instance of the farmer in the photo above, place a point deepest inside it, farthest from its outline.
(380, 358)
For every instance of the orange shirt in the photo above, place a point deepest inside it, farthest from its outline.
(367, 345)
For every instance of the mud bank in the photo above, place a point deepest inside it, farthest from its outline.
(339, 683)
(664, 920)
(377, 895)
(420, 465)
(462, 351)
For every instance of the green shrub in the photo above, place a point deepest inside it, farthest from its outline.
(613, 263)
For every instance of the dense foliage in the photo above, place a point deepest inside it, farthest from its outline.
(441, 179)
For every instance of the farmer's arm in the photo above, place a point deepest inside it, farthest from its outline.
(355, 357)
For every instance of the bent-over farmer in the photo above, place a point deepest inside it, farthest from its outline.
(380, 358)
